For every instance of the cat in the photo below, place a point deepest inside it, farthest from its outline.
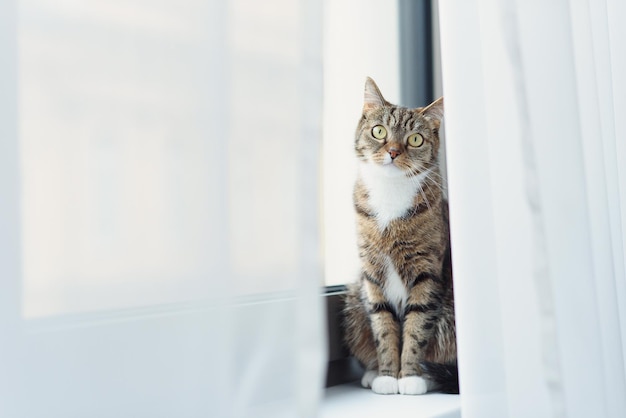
(399, 315)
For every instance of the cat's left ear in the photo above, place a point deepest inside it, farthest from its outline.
(373, 98)
(434, 110)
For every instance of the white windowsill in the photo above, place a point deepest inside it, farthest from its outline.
(351, 400)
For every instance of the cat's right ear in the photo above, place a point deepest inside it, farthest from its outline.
(434, 110)
(373, 98)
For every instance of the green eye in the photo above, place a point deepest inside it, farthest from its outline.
(416, 140)
(379, 132)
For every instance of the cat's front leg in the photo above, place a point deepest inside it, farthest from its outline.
(386, 331)
(420, 316)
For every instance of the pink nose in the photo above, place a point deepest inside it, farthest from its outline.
(394, 153)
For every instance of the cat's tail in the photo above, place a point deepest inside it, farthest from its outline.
(446, 376)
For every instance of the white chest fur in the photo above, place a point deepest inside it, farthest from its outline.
(395, 290)
(391, 193)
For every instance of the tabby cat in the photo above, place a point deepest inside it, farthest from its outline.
(399, 315)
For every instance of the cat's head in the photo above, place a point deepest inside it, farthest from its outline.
(399, 140)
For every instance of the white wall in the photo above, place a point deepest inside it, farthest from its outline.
(360, 40)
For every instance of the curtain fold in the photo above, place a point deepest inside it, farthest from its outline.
(534, 145)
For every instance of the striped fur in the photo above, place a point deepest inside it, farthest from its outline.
(401, 311)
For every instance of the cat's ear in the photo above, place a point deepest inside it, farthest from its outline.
(373, 98)
(434, 110)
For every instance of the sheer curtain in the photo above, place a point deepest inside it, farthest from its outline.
(159, 225)
(536, 142)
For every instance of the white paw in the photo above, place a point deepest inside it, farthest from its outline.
(412, 385)
(385, 385)
(368, 378)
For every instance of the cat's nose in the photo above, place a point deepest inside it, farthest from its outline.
(394, 152)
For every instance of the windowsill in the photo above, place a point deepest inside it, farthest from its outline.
(351, 400)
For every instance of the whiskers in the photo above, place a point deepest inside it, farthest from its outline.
(435, 178)
(419, 179)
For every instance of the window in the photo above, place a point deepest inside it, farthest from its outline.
(403, 59)
(140, 175)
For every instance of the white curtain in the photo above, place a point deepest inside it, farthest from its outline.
(159, 225)
(536, 142)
